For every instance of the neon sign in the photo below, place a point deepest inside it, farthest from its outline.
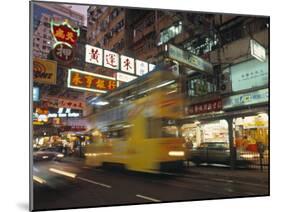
(66, 37)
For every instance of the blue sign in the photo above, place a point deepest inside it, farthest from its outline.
(36, 94)
(251, 98)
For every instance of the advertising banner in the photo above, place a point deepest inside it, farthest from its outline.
(44, 71)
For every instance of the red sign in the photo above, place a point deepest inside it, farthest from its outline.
(64, 33)
(66, 103)
(206, 107)
(63, 52)
(72, 128)
(88, 81)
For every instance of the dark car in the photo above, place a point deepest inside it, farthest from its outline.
(45, 154)
(219, 153)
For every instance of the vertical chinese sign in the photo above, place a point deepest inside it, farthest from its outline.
(111, 60)
(66, 37)
(88, 81)
(94, 55)
(127, 64)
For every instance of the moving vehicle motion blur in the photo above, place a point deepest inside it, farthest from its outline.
(140, 132)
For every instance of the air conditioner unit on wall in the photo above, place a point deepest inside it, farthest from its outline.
(225, 82)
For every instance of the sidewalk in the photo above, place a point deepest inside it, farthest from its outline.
(225, 173)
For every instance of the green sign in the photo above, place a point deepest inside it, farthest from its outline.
(190, 60)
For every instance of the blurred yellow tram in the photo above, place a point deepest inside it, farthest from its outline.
(140, 134)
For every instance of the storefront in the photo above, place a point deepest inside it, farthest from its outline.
(251, 130)
(201, 132)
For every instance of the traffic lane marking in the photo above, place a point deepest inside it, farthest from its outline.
(148, 198)
(94, 182)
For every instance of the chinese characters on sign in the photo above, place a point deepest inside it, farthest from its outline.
(73, 104)
(111, 60)
(94, 55)
(64, 33)
(63, 52)
(205, 107)
(127, 64)
(90, 81)
(66, 37)
(141, 67)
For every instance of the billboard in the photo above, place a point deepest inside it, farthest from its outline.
(44, 71)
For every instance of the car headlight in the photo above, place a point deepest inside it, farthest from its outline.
(247, 156)
(60, 155)
(176, 153)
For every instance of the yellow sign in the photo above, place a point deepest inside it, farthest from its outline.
(44, 71)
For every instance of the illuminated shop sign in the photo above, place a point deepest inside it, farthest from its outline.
(127, 64)
(190, 60)
(73, 104)
(44, 71)
(249, 74)
(88, 81)
(94, 55)
(36, 94)
(64, 33)
(66, 114)
(111, 60)
(141, 67)
(66, 37)
(257, 50)
(251, 98)
(124, 77)
(205, 107)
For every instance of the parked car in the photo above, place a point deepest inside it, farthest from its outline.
(219, 153)
(45, 154)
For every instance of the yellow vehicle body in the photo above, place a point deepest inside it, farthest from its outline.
(142, 145)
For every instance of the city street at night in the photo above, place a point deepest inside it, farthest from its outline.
(103, 186)
(133, 106)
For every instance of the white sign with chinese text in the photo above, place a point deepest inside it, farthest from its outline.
(111, 60)
(94, 55)
(141, 67)
(127, 64)
(124, 77)
(249, 74)
(257, 50)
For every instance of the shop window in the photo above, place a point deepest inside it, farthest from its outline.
(251, 131)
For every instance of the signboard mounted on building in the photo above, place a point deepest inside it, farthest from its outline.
(188, 59)
(251, 98)
(257, 50)
(205, 107)
(249, 74)
(44, 71)
(88, 81)
(66, 37)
